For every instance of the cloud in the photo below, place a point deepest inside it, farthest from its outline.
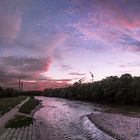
(133, 48)
(28, 68)
(77, 74)
(45, 84)
(132, 64)
(118, 13)
(14, 33)
(65, 67)
(39, 44)
(60, 80)
(24, 64)
(9, 27)
(56, 41)
(105, 20)
(129, 40)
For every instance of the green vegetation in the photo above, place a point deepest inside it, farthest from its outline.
(111, 90)
(8, 92)
(19, 121)
(29, 106)
(7, 103)
(123, 109)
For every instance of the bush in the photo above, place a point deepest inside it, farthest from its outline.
(29, 106)
(19, 121)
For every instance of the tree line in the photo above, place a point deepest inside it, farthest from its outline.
(11, 92)
(114, 90)
(8, 92)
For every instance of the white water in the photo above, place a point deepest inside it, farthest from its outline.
(62, 119)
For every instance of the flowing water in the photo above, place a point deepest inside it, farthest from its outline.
(61, 119)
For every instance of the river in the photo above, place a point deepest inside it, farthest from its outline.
(61, 119)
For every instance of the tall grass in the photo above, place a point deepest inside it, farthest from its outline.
(7, 103)
(19, 121)
(29, 106)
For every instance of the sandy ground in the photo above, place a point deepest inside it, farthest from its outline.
(9, 115)
(119, 126)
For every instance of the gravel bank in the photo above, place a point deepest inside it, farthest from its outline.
(119, 126)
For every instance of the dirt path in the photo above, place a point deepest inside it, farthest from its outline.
(9, 115)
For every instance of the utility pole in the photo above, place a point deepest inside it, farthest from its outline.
(19, 84)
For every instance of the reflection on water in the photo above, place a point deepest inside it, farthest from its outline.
(61, 119)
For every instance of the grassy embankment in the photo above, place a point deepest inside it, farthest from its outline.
(29, 106)
(19, 121)
(7, 103)
(133, 111)
(23, 121)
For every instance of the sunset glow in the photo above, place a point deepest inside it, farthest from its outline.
(54, 43)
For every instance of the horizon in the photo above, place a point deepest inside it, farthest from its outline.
(58, 42)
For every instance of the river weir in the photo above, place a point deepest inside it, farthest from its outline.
(61, 119)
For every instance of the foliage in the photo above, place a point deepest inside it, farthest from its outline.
(114, 90)
(28, 106)
(7, 103)
(19, 121)
(31, 93)
(8, 92)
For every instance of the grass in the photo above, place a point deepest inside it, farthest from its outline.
(19, 121)
(7, 103)
(126, 110)
(29, 106)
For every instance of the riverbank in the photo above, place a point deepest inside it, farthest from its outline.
(22, 126)
(10, 115)
(39, 106)
(6, 104)
(119, 126)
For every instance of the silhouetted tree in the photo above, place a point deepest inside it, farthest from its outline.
(123, 90)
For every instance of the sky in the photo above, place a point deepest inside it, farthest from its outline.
(54, 43)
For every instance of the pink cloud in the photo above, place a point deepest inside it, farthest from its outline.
(120, 15)
(9, 26)
(84, 30)
(38, 85)
(77, 73)
(29, 69)
(40, 44)
(133, 48)
(56, 41)
(66, 67)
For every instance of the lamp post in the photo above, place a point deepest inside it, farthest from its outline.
(91, 76)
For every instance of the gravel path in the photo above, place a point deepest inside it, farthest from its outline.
(119, 126)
